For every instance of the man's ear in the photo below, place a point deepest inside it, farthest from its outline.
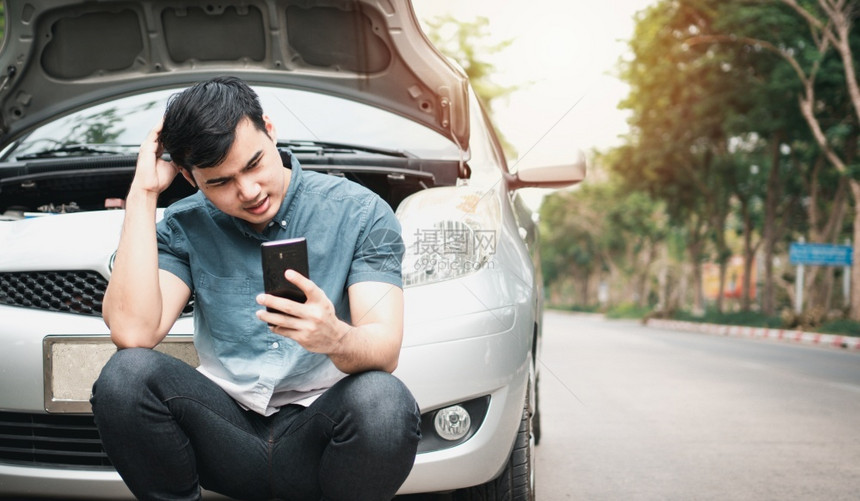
(188, 177)
(270, 128)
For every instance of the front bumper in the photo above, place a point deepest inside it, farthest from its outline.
(446, 373)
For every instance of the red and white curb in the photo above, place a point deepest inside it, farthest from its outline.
(814, 338)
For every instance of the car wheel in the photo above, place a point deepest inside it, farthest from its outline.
(517, 481)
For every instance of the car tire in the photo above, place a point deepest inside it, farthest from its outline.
(517, 481)
(536, 416)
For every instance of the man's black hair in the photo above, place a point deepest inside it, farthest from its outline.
(200, 122)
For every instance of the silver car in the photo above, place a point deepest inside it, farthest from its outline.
(355, 90)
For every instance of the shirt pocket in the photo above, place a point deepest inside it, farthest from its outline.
(226, 306)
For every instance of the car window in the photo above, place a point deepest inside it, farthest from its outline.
(120, 125)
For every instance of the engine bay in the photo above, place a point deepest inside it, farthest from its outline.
(59, 186)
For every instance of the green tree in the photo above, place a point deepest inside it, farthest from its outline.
(683, 101)
(718, 133)
(602, 232)
(467, 43)
(768, 195)
(570, 254)
(831, 24)
(823, 86)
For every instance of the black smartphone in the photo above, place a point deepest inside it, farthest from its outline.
(280, 256)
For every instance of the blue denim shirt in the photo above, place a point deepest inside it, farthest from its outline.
(352, 236)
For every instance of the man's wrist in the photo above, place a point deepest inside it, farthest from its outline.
(138, 194)
(341, 347)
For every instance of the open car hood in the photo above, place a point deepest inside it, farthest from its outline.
(62, 55)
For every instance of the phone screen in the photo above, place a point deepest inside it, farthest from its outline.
(279, 256)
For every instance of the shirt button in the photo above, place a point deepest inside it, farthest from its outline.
(275, 345)
(283, 224)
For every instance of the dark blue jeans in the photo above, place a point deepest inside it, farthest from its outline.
(169, 430)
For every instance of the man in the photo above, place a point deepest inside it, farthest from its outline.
(296, 403)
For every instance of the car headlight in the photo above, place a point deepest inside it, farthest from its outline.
(449, 232)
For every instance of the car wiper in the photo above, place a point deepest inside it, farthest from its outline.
(329, 148)
(73, 150)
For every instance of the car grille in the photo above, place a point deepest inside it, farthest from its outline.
(51, 440)
(66, 291)
(77, 291)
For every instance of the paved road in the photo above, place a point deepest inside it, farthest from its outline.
(631, 412)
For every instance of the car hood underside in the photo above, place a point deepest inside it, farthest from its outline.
(62, 55)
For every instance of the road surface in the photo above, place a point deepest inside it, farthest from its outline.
(631, 412)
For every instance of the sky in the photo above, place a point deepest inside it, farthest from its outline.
(564, 53)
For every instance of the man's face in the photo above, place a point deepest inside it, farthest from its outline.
(251, 181)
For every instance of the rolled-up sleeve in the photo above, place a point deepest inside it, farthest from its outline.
(379, 249)
(173, 250)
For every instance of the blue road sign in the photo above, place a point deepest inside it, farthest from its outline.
(820, 254)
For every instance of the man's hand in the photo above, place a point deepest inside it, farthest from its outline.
(153, 174)
(371, 343)
(313, 324)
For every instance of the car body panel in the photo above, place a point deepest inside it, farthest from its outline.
(32, 244)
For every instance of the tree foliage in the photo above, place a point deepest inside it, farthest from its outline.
(744, 133)
(467, 43)
(601, 232)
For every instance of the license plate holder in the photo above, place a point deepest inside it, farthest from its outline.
(73, 363)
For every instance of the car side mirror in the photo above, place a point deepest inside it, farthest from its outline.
(553, 176)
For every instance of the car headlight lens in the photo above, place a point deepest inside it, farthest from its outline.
(449, 232)
(452, 423)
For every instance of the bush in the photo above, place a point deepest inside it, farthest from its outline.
(787, 320)
(842, 326)
(627, 311)
(746, 318)
(573, 307)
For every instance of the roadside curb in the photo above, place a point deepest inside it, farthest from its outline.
(813, 338)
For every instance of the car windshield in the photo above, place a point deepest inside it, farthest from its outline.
(118, 126)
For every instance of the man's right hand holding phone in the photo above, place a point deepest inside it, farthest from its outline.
(313, 324)
(372, 342)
